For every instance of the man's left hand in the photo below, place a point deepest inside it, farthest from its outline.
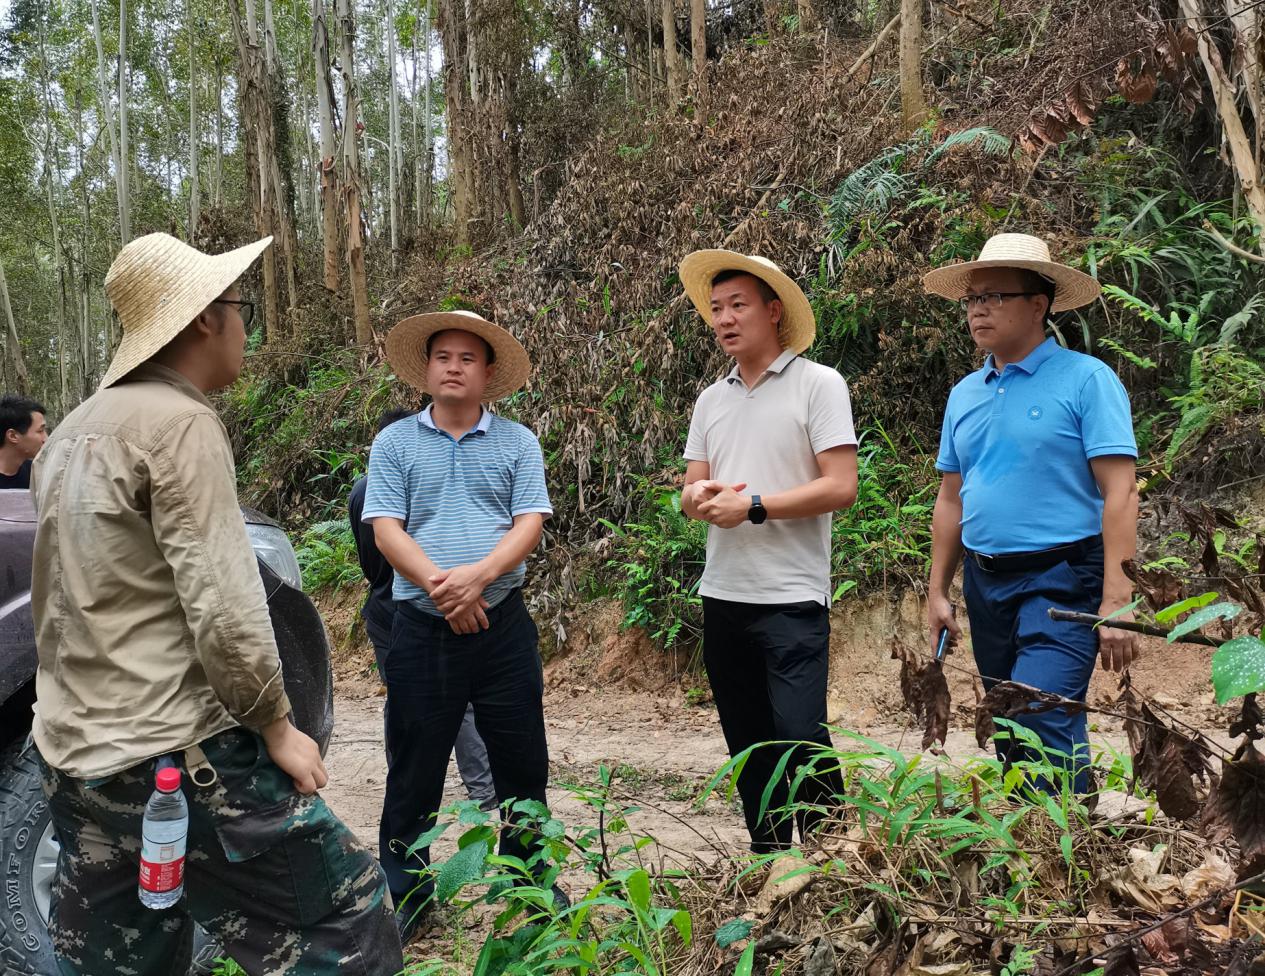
(725, 509)
(1117, 649)
(458, 589)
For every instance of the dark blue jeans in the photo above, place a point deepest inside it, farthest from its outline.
(1014, 639)
(432, 674)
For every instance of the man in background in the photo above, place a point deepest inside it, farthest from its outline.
(22, 434)
(378, 614)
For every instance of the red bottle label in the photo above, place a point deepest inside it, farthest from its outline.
(162, 856)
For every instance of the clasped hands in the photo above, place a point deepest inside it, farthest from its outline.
(458, 594)
(719, 504)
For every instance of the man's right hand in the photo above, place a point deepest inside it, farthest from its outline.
(297, 754)
(940, 616)
(471, 620)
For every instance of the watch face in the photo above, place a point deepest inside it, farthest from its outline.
(757, 514)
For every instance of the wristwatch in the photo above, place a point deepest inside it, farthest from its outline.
(757, 513)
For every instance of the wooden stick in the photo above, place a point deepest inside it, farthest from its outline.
(1230, 246)
(1090, 620)
(869, 51)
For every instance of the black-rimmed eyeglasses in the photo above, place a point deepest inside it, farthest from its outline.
(245, 309)
(993, 299)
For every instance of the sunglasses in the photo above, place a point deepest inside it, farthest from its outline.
(993, 299)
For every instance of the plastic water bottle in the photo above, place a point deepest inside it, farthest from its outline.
(163, 835)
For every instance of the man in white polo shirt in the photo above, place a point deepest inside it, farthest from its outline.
(771, 455)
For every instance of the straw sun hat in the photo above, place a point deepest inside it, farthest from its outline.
(158, 285)
(1072, 288)
(406, 350)
(797, 328)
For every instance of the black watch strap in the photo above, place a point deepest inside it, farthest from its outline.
(757, 513)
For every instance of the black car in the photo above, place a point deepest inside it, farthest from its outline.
(28, 846)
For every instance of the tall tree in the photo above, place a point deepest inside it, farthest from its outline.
(23, 378)
(698, 45)
(329, 174)
(256, 129)
(913, 105)
(351, 172)
(672, 54)
(452, 33)
(195, 202)
(395, 148)
(107, 116)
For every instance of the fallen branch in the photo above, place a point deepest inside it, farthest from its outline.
(1230, 246)
(1090, 620)
(870, 51)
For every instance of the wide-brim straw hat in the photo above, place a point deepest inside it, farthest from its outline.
(798, 327)
(158, 285)
(1072, 288)
(406, 350)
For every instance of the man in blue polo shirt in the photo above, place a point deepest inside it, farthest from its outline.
(1038, 490)
(457, 500)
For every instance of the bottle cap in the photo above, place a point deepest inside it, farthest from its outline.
(168, 779)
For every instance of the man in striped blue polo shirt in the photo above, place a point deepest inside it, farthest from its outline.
(457, 500)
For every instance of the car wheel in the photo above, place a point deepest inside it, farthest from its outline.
(28, 859)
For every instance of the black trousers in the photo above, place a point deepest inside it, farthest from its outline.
(768, 664)
(432, 674)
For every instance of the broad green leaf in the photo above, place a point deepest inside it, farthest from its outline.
(746, 962)
(638, 888)
(1218, 611)
(735, 930)
(460, 869)
(1238, 668)
(1177, 609)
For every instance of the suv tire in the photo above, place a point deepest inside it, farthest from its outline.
(25, 832)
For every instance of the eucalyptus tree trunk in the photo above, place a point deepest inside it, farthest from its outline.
(195, 202)
(125, 165)
(913, 105)
(256, 130)
(452, 32)
(672, 55)
(107, 115)
(394, 140)
(351, 172)
(650, 57)
(428, 119)
(52, 174)
(23, 378)
(219, 133)
(324, 104)
(698, 45)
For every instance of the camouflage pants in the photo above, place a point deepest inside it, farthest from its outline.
(272, 874)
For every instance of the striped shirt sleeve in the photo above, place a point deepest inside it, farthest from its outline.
(530, 493)
(386, 493)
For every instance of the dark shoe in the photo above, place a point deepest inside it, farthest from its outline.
(410, 920)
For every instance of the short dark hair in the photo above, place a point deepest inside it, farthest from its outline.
(486, 345)
(729, 274)
(1039, 284)
(15, 413)
(391, 416)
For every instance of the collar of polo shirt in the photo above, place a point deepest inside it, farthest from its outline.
(485, 420)
(783, 360)
(1029, 364)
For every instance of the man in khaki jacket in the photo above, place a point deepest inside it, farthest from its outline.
(154, 641)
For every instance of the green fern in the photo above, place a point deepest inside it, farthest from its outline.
(992, 142)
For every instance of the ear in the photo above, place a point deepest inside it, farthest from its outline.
(204, 323)
(11, 436)
(491, 368)
(776, 310)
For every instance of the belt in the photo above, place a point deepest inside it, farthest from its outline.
(1019, 562)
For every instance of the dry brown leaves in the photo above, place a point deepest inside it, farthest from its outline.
(1012, 699)
(1236, 807)
(925, 691)
(1163, 51)
(1165, 760)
